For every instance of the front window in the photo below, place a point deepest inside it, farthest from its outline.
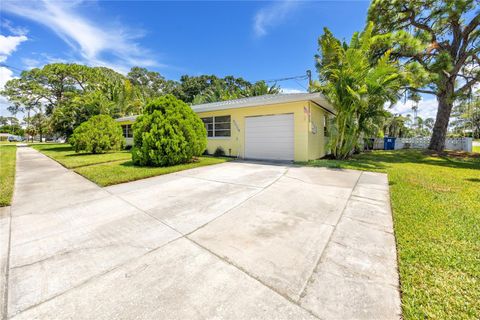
(127, 131)
(218, 126)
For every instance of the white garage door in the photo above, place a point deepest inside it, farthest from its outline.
(269, 137)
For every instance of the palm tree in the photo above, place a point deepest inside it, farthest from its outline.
(357, 85)
(429, 122)
(395, 126)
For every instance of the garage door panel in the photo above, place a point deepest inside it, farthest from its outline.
(271, 125)
(270, 137)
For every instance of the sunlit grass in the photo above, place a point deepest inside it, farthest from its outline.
(436, 211)
(64, 154)
(8, 154)
(113, 167)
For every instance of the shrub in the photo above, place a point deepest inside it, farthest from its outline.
(219, 152)
(168, 133)
(98, 134)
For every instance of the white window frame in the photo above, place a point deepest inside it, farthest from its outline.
(215, 130)
(128, 130)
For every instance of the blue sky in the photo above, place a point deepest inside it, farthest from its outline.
(253, 40)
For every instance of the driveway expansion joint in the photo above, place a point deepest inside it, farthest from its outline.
(97, 276)
(266, 218)
(224, 259)
(261, 189)
(218, 181)
(303, 292)
(227, 261)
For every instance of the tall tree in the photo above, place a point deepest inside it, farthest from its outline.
(357, 86)
(210, 88)
(40, 123)
(152, 84)
(429, 124)
(72, 93)
(466, 116)
(448, 31)
(395, 126)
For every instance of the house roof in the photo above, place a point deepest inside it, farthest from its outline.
(267, 99)
(127, 118)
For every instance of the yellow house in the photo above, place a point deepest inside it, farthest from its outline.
(270, 127)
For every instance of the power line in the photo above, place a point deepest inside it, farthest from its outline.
(302, 77)
(10, 67)
(301, 85)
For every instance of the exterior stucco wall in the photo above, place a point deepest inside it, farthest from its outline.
(309, 141)
(235, 144)
(316, 138)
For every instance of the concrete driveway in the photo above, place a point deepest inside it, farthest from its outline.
(230, 241)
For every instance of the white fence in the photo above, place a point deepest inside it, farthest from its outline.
(463, 144)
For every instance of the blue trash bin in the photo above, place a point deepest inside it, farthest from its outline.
(389, 143)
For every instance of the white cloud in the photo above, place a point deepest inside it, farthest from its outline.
(30, 63)
(15, 30)
(291, 90)
(5, 75)
(92, 40)
(272, 16)
(427, 108)
(8, 44)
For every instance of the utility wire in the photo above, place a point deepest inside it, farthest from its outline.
(10, 67)
(302, 77)
(301, 85)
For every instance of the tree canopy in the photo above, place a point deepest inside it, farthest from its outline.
(59, 97)
(439, 40)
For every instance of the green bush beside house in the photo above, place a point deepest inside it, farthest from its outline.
(98, 135)
(167, 134)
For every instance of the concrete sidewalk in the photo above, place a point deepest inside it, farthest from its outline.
(236, 240)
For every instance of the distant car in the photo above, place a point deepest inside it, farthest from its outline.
(15, 139)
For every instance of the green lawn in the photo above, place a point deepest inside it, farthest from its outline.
(436, 210)
(8, 156)
(64, 154)
(123, 171)
(113, 167)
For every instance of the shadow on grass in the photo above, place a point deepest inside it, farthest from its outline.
(382, 160)
(58, 149)
(129, 163)
(68, 148)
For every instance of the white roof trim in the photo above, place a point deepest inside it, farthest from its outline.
(127, 118)
(268, 99)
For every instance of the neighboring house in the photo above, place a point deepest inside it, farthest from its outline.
(271, 127)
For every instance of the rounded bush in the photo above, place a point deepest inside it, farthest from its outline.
(168, 133)
(98, 134)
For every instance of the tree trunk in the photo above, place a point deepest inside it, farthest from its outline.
(439, 134)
